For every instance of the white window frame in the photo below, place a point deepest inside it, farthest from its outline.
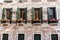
(20, 33)
(54, 33)
(37, 33)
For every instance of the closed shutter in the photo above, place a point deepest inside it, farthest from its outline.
(33, 14)
(54, 37)
(18, 14)
(20, 36)
(3, 14)
(5, 37)
(37, 37)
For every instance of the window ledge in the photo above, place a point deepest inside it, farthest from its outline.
(19, 24)
(5, 24)
(53, 24)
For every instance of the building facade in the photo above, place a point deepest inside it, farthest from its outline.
(30, 20)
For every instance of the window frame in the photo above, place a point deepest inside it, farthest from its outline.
(6, 15)
(49, 22)
(2, 36)
(38, 34)
(40, 9)
(25, 9)
(54, 33)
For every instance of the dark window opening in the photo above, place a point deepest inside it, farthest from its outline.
(37, 36)
(37, 15)
(8, 11)
(54, 36)
(52, 15)
(5, 37)
(21, 36)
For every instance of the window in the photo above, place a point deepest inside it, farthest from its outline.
(7, 1)
(54, 36)
(22, 15)
(21, 36)
(5, 37)
(7, 15)
(51, 0)
(36, 0)
(22, 0)
(37, 15)
(37, 37)
(52, 15)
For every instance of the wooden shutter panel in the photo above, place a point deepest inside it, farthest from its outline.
(25, 15)
(37, 37)
(33, 14)
(54, 37)
(11, 15)
(41, 15)
(3, 14)
(20, 36)
(18, 13)
(5, 37)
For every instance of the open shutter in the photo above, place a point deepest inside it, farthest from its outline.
(41, 15)
(11, 15)
(25, 15)
(33, 14)
(3, 14)
(18, 13)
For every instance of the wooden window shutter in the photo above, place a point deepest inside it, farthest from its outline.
(33, 14)
(18, 14)
(11, 15)
(3, 14)
(41, 15)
